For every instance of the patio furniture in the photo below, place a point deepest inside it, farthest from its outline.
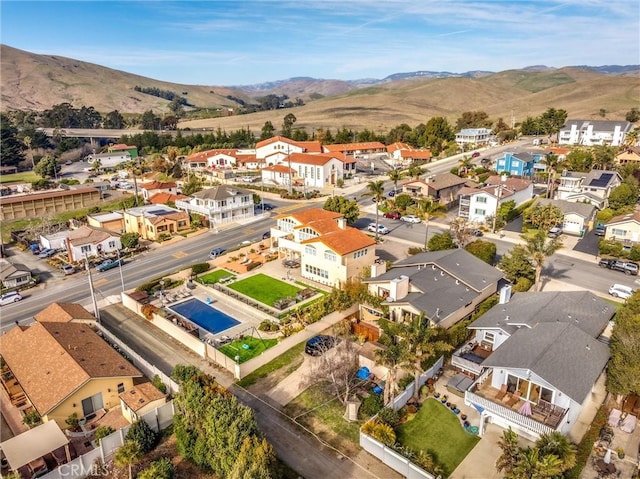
(629, 423)
(514, 399)
(614, 417)
(502, 393)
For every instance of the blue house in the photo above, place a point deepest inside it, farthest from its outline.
(518, 164)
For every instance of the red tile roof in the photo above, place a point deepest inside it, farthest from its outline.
(157, 185)
(309, 216)
(163, 198)
(344, 241)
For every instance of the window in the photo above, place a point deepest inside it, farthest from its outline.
(112, 244)
(330, 256)
(120, 388)
(482, 199)
(310, 250)
(92, 404)
(322, 273)
(479, 211)
(489, 337)
(360, 254)
(617, 232)
(85, 249)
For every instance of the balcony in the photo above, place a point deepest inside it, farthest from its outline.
(470, 357)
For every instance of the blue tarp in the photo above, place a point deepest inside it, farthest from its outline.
(363, 373)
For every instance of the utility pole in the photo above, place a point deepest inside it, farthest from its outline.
(120, 266)
(96, 311)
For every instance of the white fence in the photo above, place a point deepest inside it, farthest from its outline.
(82, 466)
(388, 456)
(148, 369)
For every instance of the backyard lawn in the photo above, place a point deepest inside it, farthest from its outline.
(435, 429)
(255, 347)
(25, 176)
(264, 288)
(214, 276)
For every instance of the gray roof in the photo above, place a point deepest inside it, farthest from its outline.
(15, 270)
(560, 353)
(599, 125)
(580, 308)
(523, 156)
(601, 178)
(221, 192)
(567, 207)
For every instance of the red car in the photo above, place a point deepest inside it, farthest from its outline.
(394, 215)
(475, 155)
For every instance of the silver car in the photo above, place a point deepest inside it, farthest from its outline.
(10, 298)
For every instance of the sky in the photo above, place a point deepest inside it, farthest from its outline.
(244, 42)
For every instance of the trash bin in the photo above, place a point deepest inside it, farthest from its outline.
(581, 233)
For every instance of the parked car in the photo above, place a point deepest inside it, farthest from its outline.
(216, 252)
(68, 269)
(477, 232)
(9, 298)
(600, 230)
(627, 267)
(266, 235)
(249, 179)
(46, 253)
(555, 232)
(108, 264)
(475, 155)
(381, 229)
(318, 345)
(266, 206)
(621, 291)
(392, 215)
(410, 219)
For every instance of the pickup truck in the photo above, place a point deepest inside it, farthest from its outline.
(108, 264)
(627, 267)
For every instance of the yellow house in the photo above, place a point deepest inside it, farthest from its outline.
(625, 229)
(629, 155)
(153, 222)
(60, 367)
(139, 400)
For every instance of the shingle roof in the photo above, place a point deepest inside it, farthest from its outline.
(567, 207)
(635, 216)
(163, 198)
(581, 308)
(89, 235)
(139, 396)
(560, 353)
(8, 269)
(68, 355)
(62, 313)
(157, 185)
(220, 192)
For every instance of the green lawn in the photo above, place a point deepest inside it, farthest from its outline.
(26, 176)
(435, 429)
(264, 288)
(287, 358)
(214, 276)
(256, 347)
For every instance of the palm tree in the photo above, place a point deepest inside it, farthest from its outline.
(416, 170)
(464, 165)
(128, 455)
(552, 163)
(631, 138)
(539, 248)
(531, 466)
(28, 141)
(557, 444)
(510, 450)
(376, 190)
(135, 168)
(422, 344)
(392, 357)
(395, 175)
(429, 209)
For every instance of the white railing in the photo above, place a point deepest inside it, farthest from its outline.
(462, 363)
(210, 211)
(508, 414)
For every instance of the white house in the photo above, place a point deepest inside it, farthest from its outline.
(151, 188)
(594, 132)
(55, 240)
(481, 203)
(110, 160)
(577, 216)
(276, 148)
(593, 187)
(474, 136)
(13, 275)
(220, 204)
(88, 241)
(625, 229)
(536, 359)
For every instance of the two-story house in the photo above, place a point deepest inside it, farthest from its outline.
(628, 156)
(594, 132)
(309, 170)
(536, 359)
(518, 164)
(593, 187)
(474, 137)
(479, 204)
(155, 222)
(443, 188)
(329, 251)
(151, 188)
(220, 204)
(625, 229)
(444, 286)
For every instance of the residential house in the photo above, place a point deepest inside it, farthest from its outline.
(139, 400)
(593, 187)
(249, 162)
(474, 137)
(577, 216)
(89, 242)
(519, 164)
(536, 359)
(64, 313)
(443, 188)
(155, 222)
(329, 251)
(57, 241)
(74, 370)
(220, 204)
(594, 132)
(14, 275)
(150, 188)
(403, 154)
(47, 203)
(112, 221)
(275, 149)
(628, 156)
(216, 158)
(166, 198)
(480, 204)
(309, 170)
(444, 286)
(561, 153)
(359, 149)
(625, 229)
(121, 147)
(110, 159)
(279, 174)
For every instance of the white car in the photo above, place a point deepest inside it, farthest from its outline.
(381, 229)
(10, 298)
(410, 219)
(620, 291)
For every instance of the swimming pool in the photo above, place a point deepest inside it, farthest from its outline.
(205, 316)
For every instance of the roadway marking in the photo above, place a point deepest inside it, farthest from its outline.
(180, 254)
(249, 231)
(100, 282)
(284, 209)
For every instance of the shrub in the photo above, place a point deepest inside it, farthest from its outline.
(415, 250)
(141, 433)
(253, 265)
(148, 310)
(103, 431)
(157, 382)
(72, 421)
(380, 431)
(371, 405)
(32, 418)
(198, 268)
(267, 325)
(390, 416)
(522, 285)
(159, 469)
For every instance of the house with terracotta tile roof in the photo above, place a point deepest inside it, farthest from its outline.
(120, 147)
(443, 188)
(150, 188)
(403, 154)
(309, 170)
(165, 198)
(479, 204)
(139, 400)
(220, 204)
(90, 242)
(276, 148)
(153, 222)
(329, 251)
(216, 158)
(356, 149)
(74, 370)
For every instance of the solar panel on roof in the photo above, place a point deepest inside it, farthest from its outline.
(604, 180)
(158, 212)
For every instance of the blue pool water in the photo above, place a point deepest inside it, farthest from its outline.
(205, 316)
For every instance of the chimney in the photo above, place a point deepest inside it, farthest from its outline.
(505, 294)
(342, 223)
